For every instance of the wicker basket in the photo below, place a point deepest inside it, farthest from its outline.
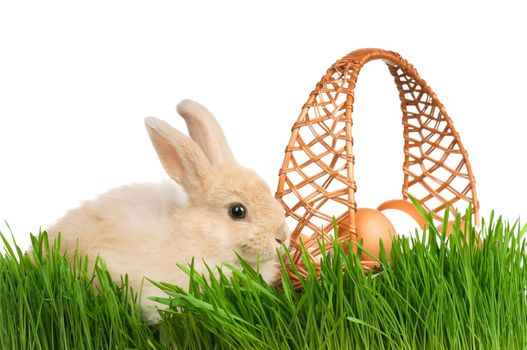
(317, 176)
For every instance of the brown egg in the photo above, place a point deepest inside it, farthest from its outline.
(373, 226)
(449, 228)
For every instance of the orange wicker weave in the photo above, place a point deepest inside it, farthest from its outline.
(317, 176)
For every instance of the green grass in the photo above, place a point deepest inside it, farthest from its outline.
(46, 303)
(435, 292)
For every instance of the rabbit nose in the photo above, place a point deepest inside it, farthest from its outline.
(283, 234)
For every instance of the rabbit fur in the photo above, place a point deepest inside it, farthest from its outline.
(144, 230)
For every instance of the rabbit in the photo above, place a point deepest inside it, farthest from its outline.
(211, 209)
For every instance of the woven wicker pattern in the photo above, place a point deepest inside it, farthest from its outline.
(317, 180)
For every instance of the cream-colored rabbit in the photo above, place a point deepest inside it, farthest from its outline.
(145, 229)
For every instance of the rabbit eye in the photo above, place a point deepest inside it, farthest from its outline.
(237, 211)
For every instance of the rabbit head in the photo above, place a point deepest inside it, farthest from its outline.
(231, 199)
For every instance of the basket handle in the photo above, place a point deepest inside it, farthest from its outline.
(329, 108)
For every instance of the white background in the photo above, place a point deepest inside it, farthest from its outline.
(77, 79)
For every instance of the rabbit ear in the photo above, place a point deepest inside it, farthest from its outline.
(181, 157)
(206, 131)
